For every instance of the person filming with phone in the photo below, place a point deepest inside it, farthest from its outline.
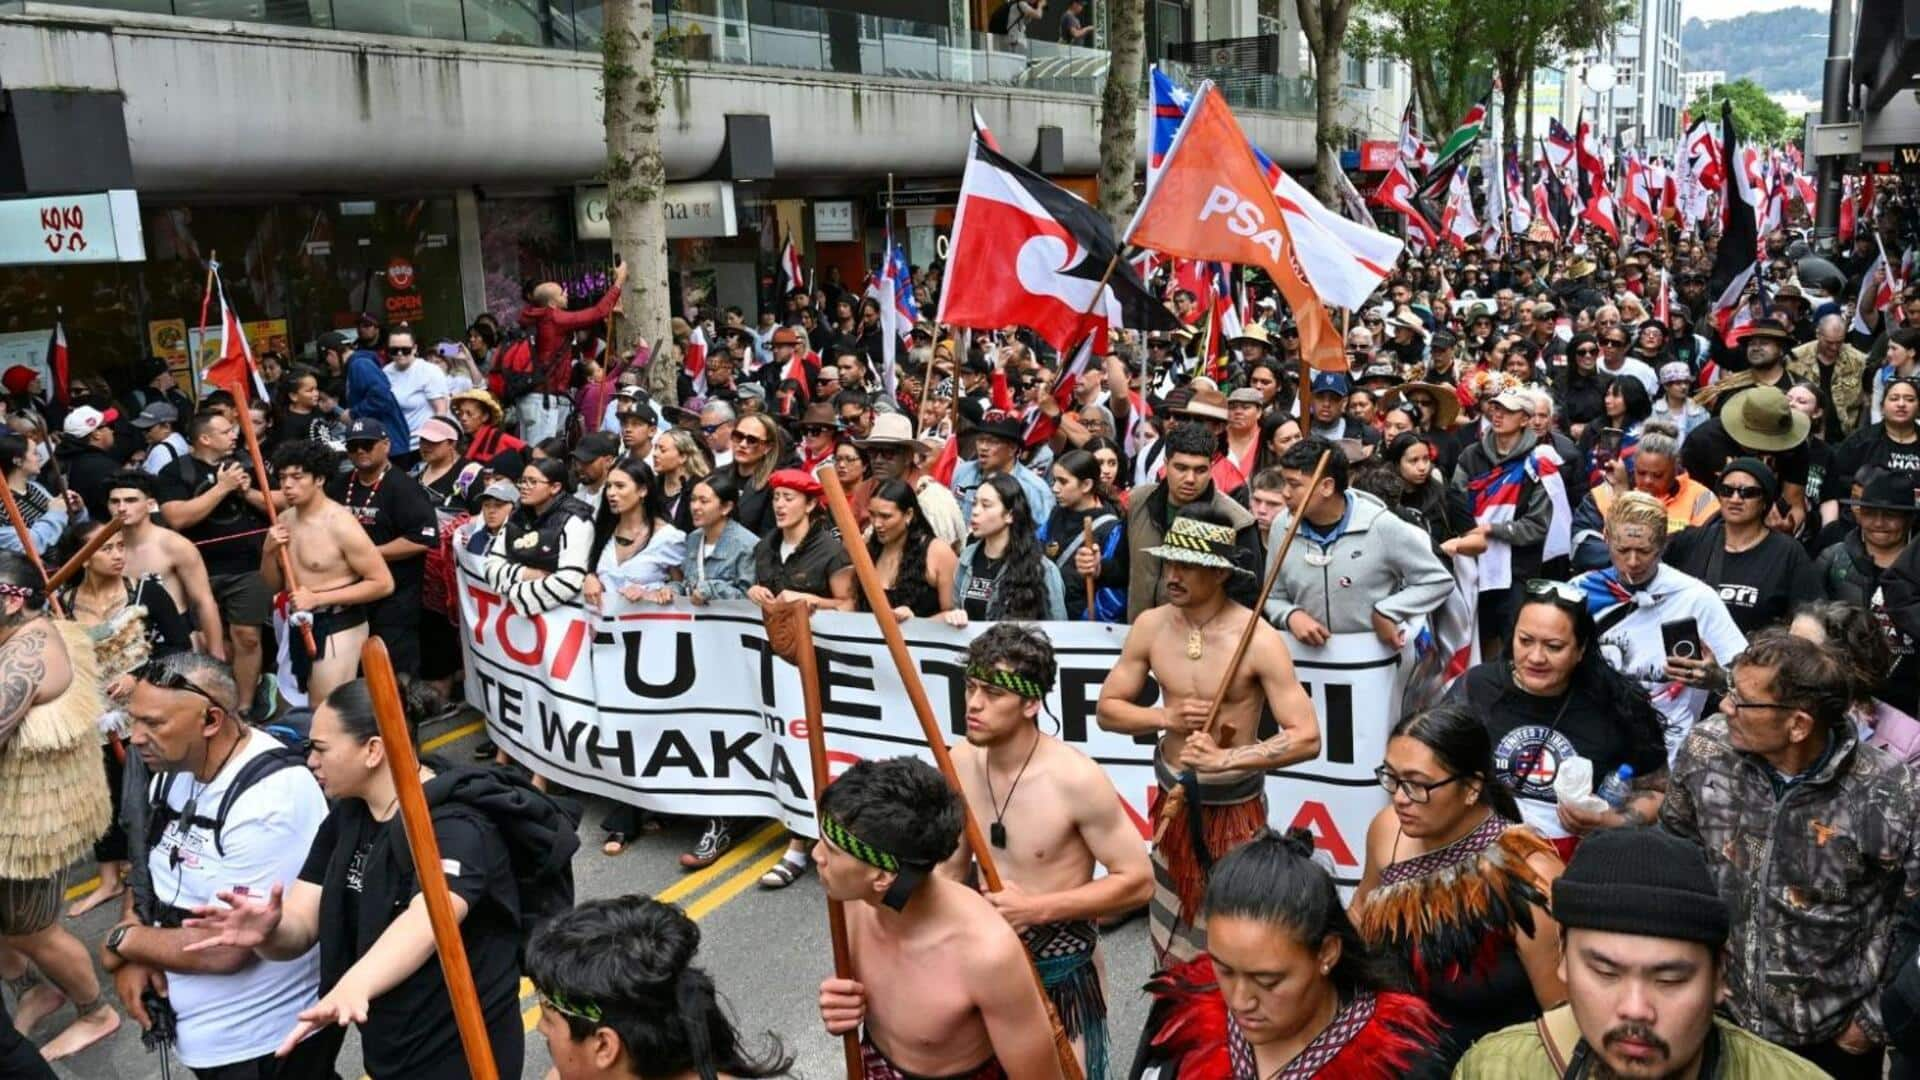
(1666, 630)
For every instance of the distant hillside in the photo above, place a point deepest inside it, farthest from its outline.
(1773, 48)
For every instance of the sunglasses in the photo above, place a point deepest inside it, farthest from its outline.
(750, 440)
(816, 429)
(399, 350)
(153, 674)
(1564, 592)
(1741, 491)
(1586, 350)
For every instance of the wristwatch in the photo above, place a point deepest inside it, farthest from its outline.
(118, 936)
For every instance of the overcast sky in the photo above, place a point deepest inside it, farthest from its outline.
(1725, 9)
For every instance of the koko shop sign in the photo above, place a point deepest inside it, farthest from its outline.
(63, 230)
(687, 710)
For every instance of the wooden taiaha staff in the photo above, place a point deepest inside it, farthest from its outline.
(404, 766)
(869, 579)
(1086, 543)
(273, 518)
(79, 561)
(790, 633)
(1173, 800)
(25, 534)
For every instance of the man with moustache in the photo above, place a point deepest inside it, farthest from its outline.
(1643, 951)
(1185, 645)
(1051, 813)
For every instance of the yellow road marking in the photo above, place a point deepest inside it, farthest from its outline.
(741, 852)
(739, 883)
(82, 889)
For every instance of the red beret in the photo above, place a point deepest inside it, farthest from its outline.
(799, 480)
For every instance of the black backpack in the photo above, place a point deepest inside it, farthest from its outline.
(1001, 21)
(255, 770)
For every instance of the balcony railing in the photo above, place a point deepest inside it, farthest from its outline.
(757, 33)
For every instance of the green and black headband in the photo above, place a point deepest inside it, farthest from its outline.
(1011, 681)
(907, 873)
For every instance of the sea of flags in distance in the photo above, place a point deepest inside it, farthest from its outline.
(1038, 263)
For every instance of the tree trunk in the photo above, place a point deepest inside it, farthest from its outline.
(1526, 149)
(1509, 98)
(1120, 109)
(636, 179)
(1324, 22)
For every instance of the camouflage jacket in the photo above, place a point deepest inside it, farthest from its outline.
(1815, 875)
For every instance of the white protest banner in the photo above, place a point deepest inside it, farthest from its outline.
(686, 710)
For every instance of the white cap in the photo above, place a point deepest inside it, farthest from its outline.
(86, 419)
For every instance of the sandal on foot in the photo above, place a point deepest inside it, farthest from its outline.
(784, 873)
(616, 844)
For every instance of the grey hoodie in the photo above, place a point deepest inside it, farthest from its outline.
(1380, 562)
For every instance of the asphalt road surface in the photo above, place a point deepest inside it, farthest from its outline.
(767, 950)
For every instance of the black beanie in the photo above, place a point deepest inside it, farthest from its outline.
(1757, 469)
(1644, 882)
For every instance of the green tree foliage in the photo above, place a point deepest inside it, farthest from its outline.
(1756, 117)
(1440, 41)
(1781, 50)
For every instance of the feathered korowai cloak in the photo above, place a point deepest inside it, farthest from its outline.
(1189, 1034)
(1448, 913)
(53, 783)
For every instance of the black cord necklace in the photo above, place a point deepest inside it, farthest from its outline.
(997, 833)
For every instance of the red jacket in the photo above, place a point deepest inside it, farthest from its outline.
(552, 329)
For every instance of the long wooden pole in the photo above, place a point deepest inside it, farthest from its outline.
(1176, 798)
(1086, 543)
(79, 561)
(25, 534)
(404, 766)
(273, 518)
(869, 579)
(790, 629)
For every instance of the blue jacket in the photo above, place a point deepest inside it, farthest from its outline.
(370, 396)
(729, 569)
(967, 479)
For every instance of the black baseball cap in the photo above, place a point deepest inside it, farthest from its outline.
(596, 444)
(365, 429)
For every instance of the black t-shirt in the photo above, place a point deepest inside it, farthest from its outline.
(983, 581)
(1760, 586)
(1534, 736)
(410, 1030)
(393, 507)
(229, 538)
(1873, 448)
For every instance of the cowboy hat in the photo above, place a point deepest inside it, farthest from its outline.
(820, 414)
(1760, 418)
(1254, 333)
(1885, 490)
(1578, 267)
(1445, 401)
(1207, 403)
(890, 431)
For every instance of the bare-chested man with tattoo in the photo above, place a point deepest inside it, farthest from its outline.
(941, 985)
(1051, 814)
(153, 550)
(341, 573)
(53, 805)
(1185, 645)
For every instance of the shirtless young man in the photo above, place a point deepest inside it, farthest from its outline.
(154, 549)
(341, 572)
(941, 985)
(1051, 813)
(1185, 644)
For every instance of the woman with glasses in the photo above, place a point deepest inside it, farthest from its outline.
(1455, 888)
(1583, 388)
(1554, 698)
(1762, 575)
(357, 899)
(850, 464)
(759, 448)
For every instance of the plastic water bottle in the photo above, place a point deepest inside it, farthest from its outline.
(1615, 790)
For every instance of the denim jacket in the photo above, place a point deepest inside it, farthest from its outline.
(727, 573)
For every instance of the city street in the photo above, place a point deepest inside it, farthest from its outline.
(767, 951)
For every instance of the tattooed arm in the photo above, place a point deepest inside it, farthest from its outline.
(33, 668)
(1649, 794)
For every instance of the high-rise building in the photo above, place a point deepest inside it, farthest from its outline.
(1695, 83)
(1643, 107)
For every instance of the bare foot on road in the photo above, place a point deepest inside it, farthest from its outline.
(82, 1033)
(39, 1002)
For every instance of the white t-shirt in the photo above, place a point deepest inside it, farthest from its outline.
(270, 828)
(164, 453)
(1639, 370)
(1634, 646)
(415, 388)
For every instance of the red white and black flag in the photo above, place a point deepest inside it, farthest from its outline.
(1026, 252)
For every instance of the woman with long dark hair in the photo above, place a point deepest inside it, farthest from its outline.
(1454, 887)
(358, 901)
(635, 547)
(1003, 574)
(915, 566)
(298, 415)
(624, 966)
(45, 512)
(1554, 698)
(1423, 495)
(718, 564)
(1288, 987)
(1077, 502)
(1114, 474)
(1624, 407)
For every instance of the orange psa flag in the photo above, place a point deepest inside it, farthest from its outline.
(1212, 200)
